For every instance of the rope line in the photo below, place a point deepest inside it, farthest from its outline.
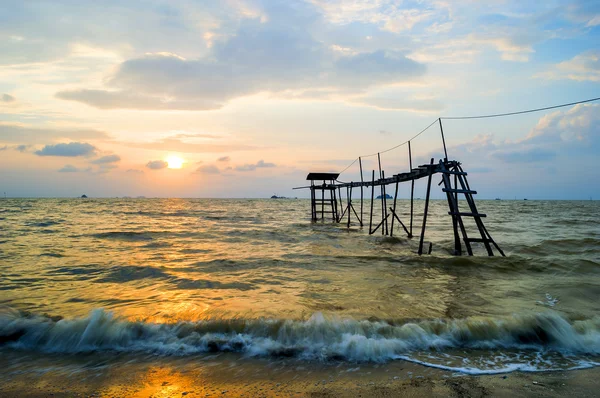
(472, 117)
(347, 167)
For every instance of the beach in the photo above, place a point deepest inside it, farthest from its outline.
(227, 377)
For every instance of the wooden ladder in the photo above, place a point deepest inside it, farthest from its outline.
(461, 186)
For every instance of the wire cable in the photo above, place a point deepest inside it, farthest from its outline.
(520, 112)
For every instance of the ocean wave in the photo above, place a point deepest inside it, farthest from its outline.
(318, 338)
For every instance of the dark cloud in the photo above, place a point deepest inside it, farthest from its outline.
(22, 148)
(106, 167)
(71, 169)
(17, 134)
(156, 164)
(72, 149)
(224, 159)
(7, 98)
(106, 159)
(208, 169)
(251, 167)
(135, 171)
(3, 148)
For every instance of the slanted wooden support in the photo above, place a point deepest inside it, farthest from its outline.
(393, 210)
(385, 213)
(426, 209)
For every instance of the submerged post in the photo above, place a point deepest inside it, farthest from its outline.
(426, 207)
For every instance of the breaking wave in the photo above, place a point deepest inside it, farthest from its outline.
(427, 342)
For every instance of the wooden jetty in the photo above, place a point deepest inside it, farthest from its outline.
(327, 202)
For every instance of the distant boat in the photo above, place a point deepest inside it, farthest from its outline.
(387, 196)
(497, 199)
(84, 196)
(525, 199)
(278, 197)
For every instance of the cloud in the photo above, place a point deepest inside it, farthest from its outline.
(578, 125)
(7, 98)
(72, 149)
(156, 164)
(277, 52)
(18, 133)
(582, 67)
(208, 169)
(22, 148)
(389, 15)
(71, 169)
(135, 171)
(104, 99)
(4, 148)
(179, 145)
(224, 159)
(251, 167)
(107, 159)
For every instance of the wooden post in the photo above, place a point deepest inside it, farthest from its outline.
(372, 196)
(443, 140)
(361, 191)
(313, 204)
(412, 191)
(426, 208)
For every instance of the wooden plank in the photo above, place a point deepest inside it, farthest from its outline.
(459, 191)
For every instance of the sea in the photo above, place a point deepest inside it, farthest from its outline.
(258, 281)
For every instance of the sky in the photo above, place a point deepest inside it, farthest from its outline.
(242, 98)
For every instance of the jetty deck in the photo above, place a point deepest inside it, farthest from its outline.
(327, 199)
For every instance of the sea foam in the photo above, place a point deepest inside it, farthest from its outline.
(319, 338)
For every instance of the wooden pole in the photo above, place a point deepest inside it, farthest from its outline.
(381, 192)
(361, 191)
(412, 191)
(323, 201)
(349, 196)
(426, 208)
(372, 196)
(443, 140)
(341, 204)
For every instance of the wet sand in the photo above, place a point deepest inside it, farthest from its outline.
(229, 376)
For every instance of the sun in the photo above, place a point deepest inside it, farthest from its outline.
(174, 162)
